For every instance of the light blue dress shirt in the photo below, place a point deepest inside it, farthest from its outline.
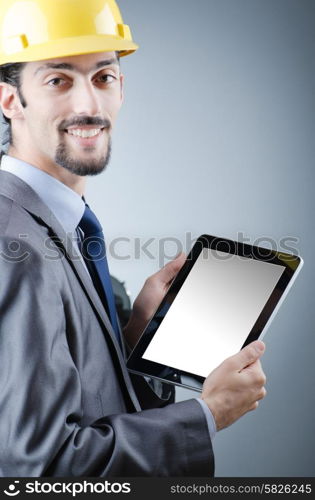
(68, 207)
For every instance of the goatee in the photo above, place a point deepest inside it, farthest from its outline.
(82, 167)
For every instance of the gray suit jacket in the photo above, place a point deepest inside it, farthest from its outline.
(68, 406)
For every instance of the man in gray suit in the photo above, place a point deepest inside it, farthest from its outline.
(68, 405)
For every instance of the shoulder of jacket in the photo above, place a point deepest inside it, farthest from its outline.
(17, 232)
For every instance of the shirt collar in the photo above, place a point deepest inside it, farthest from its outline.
(66, 205)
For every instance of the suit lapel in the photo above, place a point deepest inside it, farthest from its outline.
(21, 193)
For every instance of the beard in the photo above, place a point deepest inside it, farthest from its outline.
(82, 167)
(64, 158)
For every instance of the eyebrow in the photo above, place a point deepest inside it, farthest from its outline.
(72, 67)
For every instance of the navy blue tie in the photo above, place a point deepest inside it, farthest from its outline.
(94, 253)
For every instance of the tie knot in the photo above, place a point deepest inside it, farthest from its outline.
(89, 223)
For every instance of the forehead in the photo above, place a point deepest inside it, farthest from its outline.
(83, 63)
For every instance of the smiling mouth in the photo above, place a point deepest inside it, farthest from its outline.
(85, 133)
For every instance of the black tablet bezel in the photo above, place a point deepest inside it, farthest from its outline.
(137, 364)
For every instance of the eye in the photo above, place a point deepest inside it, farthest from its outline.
(106, 78)
(56, 82)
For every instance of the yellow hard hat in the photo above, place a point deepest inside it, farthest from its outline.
(33, 30)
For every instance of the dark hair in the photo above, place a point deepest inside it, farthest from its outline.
(11, 73)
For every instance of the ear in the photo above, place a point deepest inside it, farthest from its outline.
(10, 101)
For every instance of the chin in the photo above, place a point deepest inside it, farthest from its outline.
(82, 166)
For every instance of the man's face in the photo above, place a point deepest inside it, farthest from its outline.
(71, 106)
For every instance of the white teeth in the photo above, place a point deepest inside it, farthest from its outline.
(84, 133)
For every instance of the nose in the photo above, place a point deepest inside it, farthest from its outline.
(85, 99)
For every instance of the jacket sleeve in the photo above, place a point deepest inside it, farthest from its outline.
(40, 398)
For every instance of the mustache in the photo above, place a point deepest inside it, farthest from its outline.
(81, 121)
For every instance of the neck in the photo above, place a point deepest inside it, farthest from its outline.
(75, 182)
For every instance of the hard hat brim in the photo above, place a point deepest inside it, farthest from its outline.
(67, 47)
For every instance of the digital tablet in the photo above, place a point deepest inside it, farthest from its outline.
(224, 297)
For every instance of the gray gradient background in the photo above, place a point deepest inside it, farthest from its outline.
(217, 136)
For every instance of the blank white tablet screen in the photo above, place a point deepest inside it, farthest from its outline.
(214, 311)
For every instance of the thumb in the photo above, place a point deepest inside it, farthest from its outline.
(170, 270)
(249, 354)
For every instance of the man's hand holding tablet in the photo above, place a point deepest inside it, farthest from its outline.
(235, 386)
(212, 309)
